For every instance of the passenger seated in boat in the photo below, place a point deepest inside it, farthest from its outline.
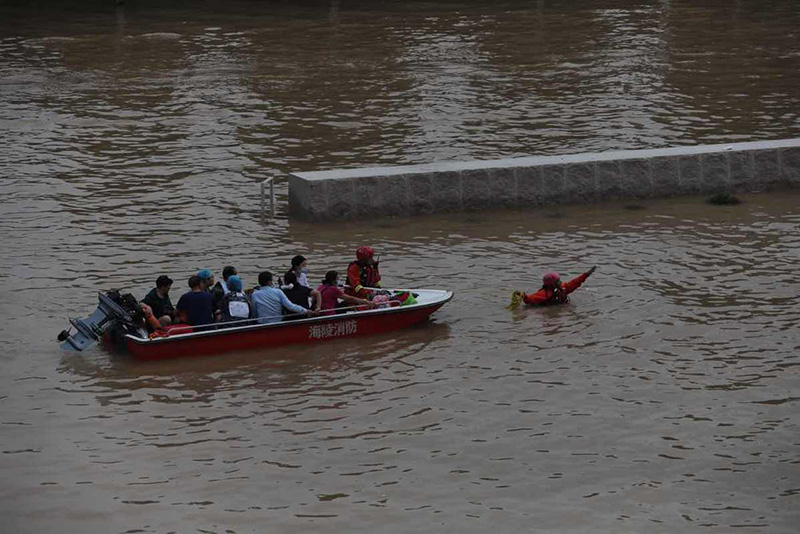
(235, 306)
(197, 306)
(221, 289)
(363, 273)
(206, 278)
(300, 271)
(270, 301)
(299, 294)
(553, 291)
(159, 302)
(331, 292)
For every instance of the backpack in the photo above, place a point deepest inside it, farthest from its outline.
(235, 306)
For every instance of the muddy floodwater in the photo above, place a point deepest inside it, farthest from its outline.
(662, 398)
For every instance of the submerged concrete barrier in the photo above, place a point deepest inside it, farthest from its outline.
(539, 181)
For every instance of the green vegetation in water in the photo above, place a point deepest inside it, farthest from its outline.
(723, 199)
(332, 496)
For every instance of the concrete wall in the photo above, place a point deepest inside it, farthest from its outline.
(543, 180)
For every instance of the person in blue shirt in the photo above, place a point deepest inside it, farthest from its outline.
(269, 301)
(197, 306)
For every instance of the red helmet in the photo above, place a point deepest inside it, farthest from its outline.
(550, 279)
(364, 253)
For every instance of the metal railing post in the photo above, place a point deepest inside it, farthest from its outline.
(271, 183)
(272, 195)
(263, 200)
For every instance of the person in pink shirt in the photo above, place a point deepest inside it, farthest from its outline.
(331, 292)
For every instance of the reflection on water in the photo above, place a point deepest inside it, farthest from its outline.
(301, 366)
(662, 398)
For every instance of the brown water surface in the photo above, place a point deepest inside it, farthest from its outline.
(663, 398)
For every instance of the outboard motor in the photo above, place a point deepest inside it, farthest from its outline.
(113, 309)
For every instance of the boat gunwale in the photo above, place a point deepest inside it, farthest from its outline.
(447, 295)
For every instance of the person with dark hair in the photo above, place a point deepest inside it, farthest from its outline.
(363, 274)
(270, 301)
(553, 290)
(235, 306)
(206, 279)
(159, 302)
(330, 293)
(299, 294)
(221, 289)
(197, 306)
(300, 270)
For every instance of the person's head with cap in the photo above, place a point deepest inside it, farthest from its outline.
(365, 254)
(299, 264)
(228, 271)
(551, 280)
(206, 278)
(163, 284)
(234, 283)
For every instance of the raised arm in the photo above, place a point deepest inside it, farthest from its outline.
(576, 282)
(377, 275)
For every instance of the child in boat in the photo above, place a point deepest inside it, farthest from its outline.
(553, 291)
(330, 293)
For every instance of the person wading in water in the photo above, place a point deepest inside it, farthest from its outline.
(553, 291)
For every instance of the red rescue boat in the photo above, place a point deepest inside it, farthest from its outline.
(249, 334)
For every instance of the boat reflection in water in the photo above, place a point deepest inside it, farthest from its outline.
(295, 366)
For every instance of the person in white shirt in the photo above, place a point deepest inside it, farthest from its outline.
(221, 289)
(300, 270)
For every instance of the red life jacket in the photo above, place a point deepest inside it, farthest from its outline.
(557, 295)
(368, 274)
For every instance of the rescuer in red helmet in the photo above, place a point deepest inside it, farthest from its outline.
(553, 290)
(363, 274)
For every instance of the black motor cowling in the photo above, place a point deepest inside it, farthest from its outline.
(134, 317)
(113, 309)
